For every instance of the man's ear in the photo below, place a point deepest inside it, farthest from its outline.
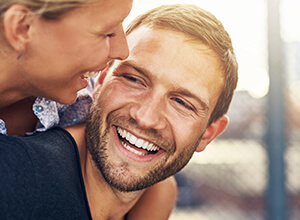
(212, 131)
(100, 80)
(16, 21)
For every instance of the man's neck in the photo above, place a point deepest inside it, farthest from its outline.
(105, 202)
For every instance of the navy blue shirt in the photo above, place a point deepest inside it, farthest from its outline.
(41, 177)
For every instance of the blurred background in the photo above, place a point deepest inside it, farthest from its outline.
(251, 170)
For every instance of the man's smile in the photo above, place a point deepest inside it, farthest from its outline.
(138, 146)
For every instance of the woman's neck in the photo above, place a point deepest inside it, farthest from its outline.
(19, 117)
(12, 83)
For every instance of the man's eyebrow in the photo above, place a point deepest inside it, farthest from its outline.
(140, 70)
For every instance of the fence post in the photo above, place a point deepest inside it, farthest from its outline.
(276, 134)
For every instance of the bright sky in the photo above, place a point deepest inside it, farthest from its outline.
(246, 22)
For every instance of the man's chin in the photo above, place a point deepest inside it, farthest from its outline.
(121, 179)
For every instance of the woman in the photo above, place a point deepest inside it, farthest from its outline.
(50, 48)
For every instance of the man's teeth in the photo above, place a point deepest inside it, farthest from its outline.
(132, 149)
(137, 142)
(91, 74)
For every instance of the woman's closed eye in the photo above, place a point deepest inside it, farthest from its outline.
(111, 35)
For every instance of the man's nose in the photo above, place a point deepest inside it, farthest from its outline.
(118, 45)
(150, 112)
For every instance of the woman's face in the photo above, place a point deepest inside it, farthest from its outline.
(59, 53)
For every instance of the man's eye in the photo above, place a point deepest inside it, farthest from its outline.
(183, 103)
(133, 79)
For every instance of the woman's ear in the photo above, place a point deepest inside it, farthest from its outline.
(16, 21)
(212, 131)
(100, 80)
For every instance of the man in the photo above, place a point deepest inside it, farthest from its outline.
(151, 112)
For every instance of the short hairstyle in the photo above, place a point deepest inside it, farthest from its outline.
(201, 26)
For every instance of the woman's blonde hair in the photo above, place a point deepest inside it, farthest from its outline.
(44, 9)
(200, 26)
(47, 9)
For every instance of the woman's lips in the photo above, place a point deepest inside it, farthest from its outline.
(84, 80)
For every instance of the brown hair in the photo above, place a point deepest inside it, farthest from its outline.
(200, 25)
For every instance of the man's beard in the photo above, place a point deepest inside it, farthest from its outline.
(119, 176)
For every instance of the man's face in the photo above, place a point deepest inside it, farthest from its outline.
(152, 108)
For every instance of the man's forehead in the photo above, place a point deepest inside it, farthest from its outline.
(145, 40)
